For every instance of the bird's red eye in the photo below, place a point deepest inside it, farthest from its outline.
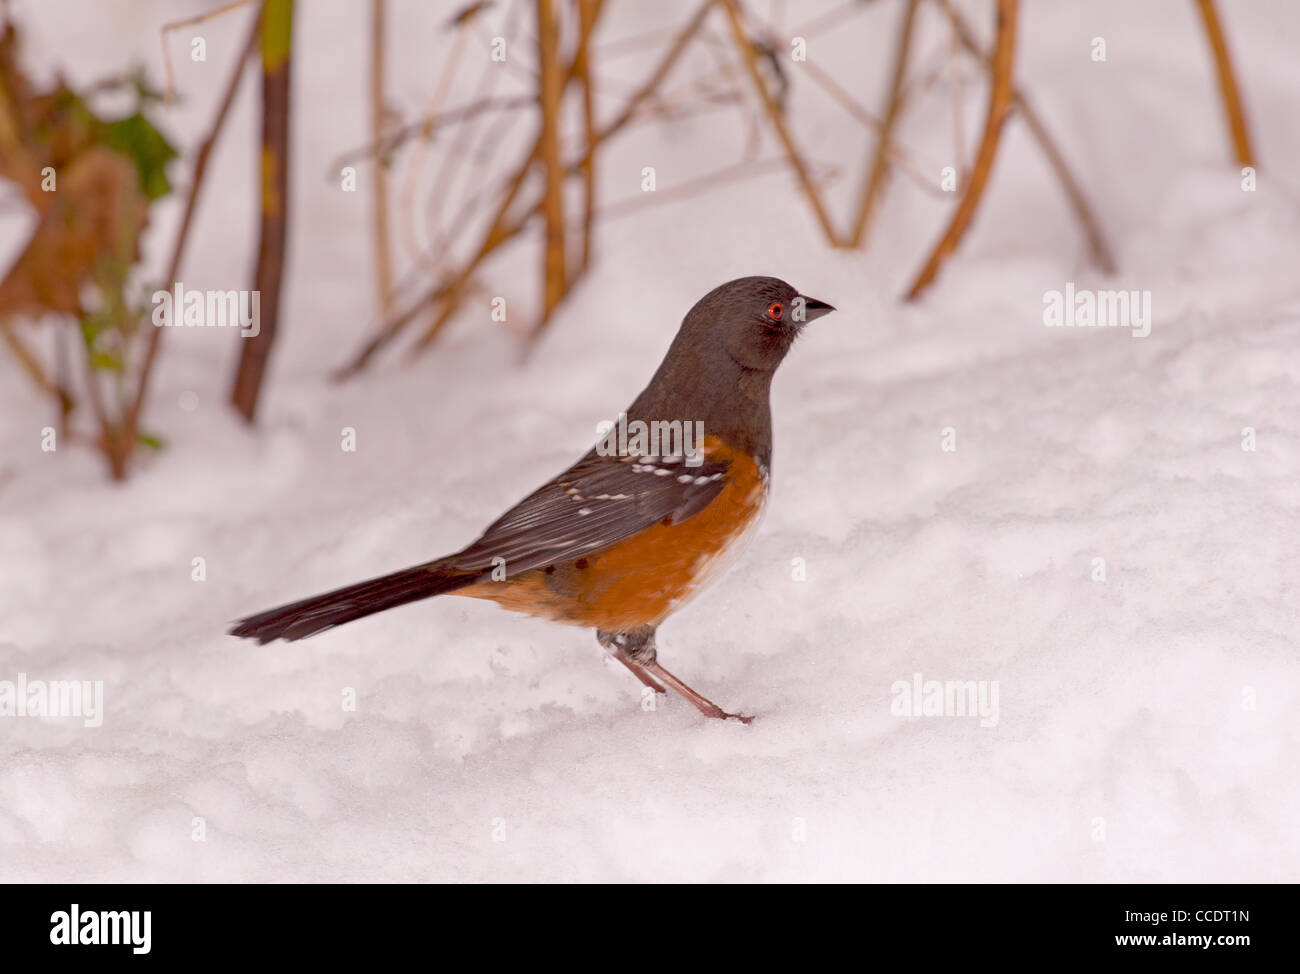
(774, 311)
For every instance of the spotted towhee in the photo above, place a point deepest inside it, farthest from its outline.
(629, 533)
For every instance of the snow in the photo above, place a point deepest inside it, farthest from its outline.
(1147, 724)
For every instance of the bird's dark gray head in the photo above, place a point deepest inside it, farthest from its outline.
(753, 319)
(719, 368)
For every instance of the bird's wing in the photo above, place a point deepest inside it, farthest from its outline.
(597, 502)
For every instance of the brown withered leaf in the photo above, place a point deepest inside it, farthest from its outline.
(97, 214)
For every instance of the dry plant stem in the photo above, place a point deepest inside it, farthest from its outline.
(182, 236)
(1098, 248)
(27, 359)
(415, 162)
(387, 333)
(475, 147)
(112, 443)
(277, 46)
(550, 88)
(448, 294)
(500, 229)
(582, 65)
(378, 118)
(999, 107)
(727, 175)
(656, 78)
(612, 49)
(188, 22)
(733, 74)
(828, 20)
(62, 383)
(1227, 83)
(880, 162)
(750, 58)
(57, 387)
(378, 148)
(897, 156)
(445, 295)
(587, 13)
(957, 101)
(24, 169)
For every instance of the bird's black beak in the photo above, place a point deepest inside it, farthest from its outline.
(814, 309)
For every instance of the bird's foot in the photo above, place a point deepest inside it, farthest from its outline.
(701, 703)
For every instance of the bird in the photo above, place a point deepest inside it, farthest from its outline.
(637, 527)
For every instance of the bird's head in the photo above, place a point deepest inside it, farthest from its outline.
(753, 319)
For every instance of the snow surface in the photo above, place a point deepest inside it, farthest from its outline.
(1147, 726)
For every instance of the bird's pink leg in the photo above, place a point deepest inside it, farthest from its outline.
(638, 671)
(704, 705)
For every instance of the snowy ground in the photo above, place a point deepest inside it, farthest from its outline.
(1147, 724)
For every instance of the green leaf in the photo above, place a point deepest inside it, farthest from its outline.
(91, 327)
(137, 139)
(102, 361)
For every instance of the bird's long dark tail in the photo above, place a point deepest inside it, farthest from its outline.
(297, 620)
